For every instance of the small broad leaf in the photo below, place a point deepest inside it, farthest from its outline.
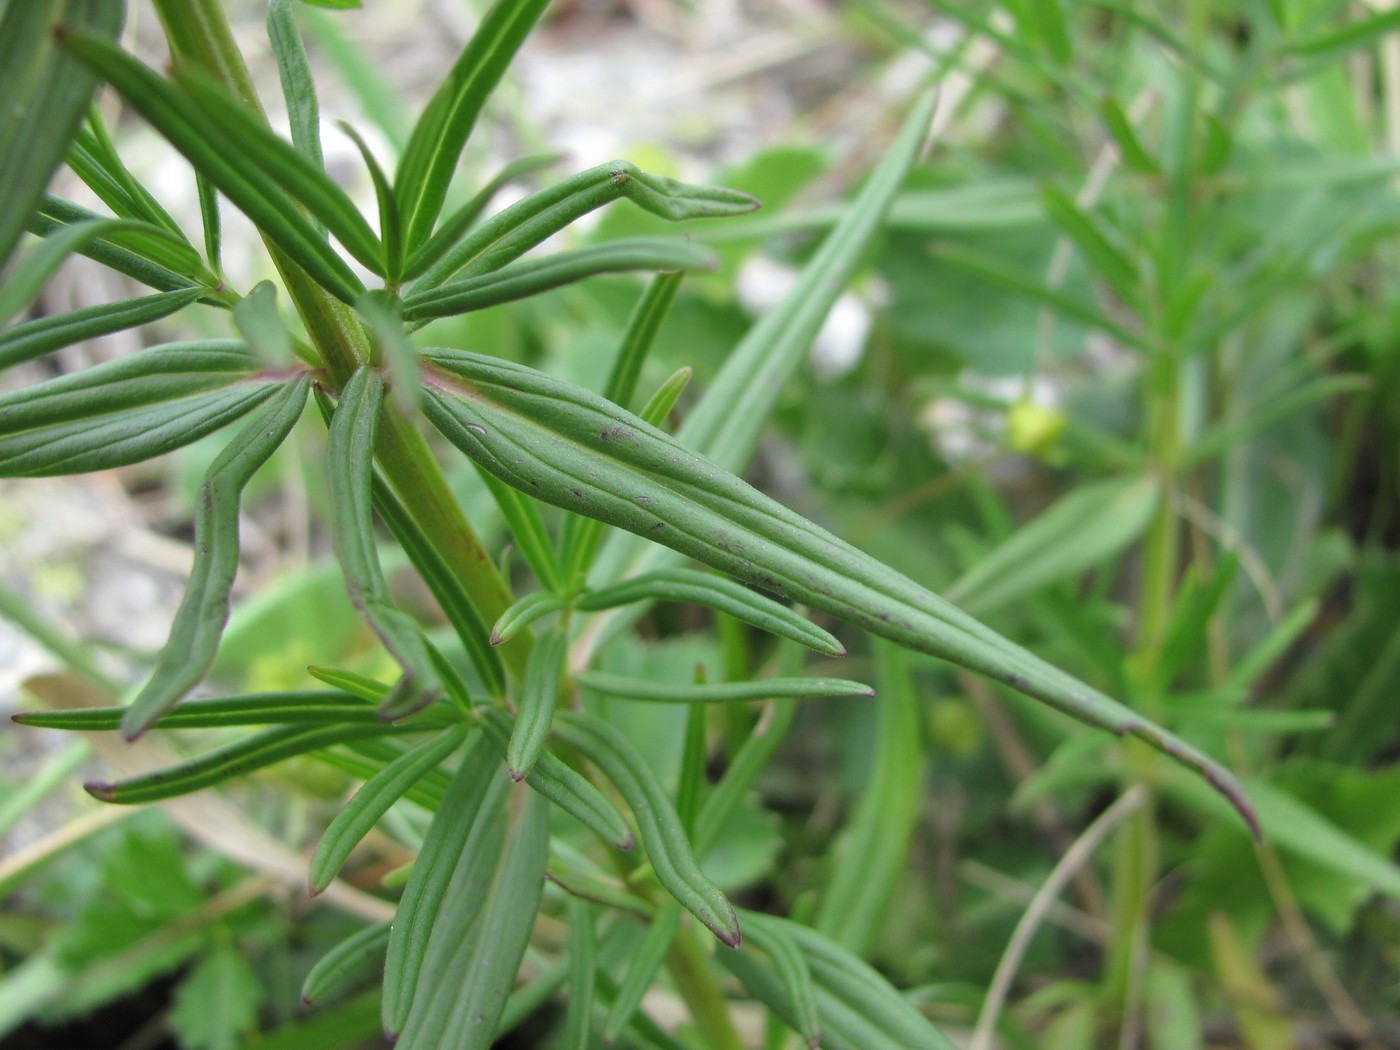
(447, 121)
(717, 592)
(524, 279)
(291, 708)
(448, 845)
(482, 931)
(232, 760)
(720, 692)
(566, 788)
(43, 335)
(358, 816)
(46, 93)
(258, 320)
(569, 447)
(353, 960)
(661, 830)
(199, 622)
(539, 689)
(247, 162)
(216, 1004)
(349, 461)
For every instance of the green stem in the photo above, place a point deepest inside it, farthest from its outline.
(700, 992)
(200, 38)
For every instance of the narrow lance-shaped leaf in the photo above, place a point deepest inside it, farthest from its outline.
(539, 689)
(571, 448)
(41, 261)
(300, 707)
(481, 938)
(716, 592)
(372, 801)
(390, 229)
(725, 425)
(298, 87)
(523, 612)
(447, 121)
(461, 220)
(355, 959)
(856, 1008)
(232, 760)
(199, 622)
(249, 165)
(443, 846)
(871, 855)
(641, 971)
(720, 692)
(24, 342)
(55, 215)
(46, 93)
(568, 789)
(349, 463)
(118, 439)
(524, 279)
(509, 234)
(160, 374)
(661, 830)
(452, 598)
(96, 145)
(527, 530)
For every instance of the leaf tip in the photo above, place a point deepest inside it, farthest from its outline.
(101, 790)
(496, 637)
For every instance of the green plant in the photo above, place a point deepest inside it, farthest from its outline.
(467, 719)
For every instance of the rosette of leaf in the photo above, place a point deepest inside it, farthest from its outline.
(467, 911)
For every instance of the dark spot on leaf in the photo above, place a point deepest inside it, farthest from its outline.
(658, 526)
(643, 499)
(576, 494)
(1017, 681)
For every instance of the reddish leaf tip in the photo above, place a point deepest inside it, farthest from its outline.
(100, 790)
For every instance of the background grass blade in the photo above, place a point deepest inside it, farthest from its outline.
(46, 95)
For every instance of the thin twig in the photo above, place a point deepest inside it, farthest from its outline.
(1075, 857)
